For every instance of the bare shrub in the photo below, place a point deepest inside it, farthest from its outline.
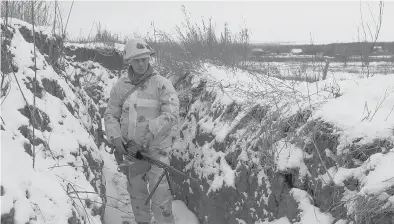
(103, 35)
(5, 86)
(106, 36)
(43, 11)
(200, 41)
(369, 36)
(195, 44)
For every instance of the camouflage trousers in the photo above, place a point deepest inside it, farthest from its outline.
(161, 202)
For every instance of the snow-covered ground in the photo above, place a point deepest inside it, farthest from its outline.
(95, 45)
(118, 202)
(360, 108)
(313, 70)
(59, 187)
(364, 109)
(62, 187)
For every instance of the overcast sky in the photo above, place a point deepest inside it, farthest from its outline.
(269, 21)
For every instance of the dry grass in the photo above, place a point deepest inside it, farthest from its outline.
(103, 35)
(372, 209)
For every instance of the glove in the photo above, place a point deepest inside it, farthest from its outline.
(137, 149)
(138, 155)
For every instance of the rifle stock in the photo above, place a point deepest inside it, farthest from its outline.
(146, 158)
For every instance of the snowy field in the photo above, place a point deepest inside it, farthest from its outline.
(313, 70)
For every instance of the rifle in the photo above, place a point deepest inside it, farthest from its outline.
(133, 155)
(144, 157)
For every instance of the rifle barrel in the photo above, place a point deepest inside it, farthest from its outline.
(170, 168)
(162, 165)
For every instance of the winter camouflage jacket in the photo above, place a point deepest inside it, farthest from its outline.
(154, 106)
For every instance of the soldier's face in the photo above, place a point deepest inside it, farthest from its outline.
(140, 65)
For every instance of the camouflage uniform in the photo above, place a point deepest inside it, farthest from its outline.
(153, 107)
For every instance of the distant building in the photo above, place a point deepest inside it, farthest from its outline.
(377, 49)
(296, 51)
(257, 52)
(319, 55)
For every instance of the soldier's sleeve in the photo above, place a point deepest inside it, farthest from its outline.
(112, 115)
(169, 107)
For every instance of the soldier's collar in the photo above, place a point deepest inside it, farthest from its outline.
(131, 76)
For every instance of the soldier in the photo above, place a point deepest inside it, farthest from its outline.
(145, 114)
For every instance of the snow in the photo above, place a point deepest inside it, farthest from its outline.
(309, 213)
(223, 173)
(380, 176)
(117, 197)
(46, 30)
(222, 81)
(341, 175)
(283, 220)
(218, 128)
(43, 187)
(96, 45)
(382, 56)
(250, 89)
(341, 221)
(233, 86)
(359, 96)
(374, 175)
(336, 70)
(103, 76)
(227, 176)
(363, 111)
(224, 130)
(290, 157)
(43, 193)
(296, 51)
(182, 214)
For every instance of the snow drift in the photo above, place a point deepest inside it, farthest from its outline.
(271, 150)
(65, 185)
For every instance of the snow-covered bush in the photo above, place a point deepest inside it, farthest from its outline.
(50, 162)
